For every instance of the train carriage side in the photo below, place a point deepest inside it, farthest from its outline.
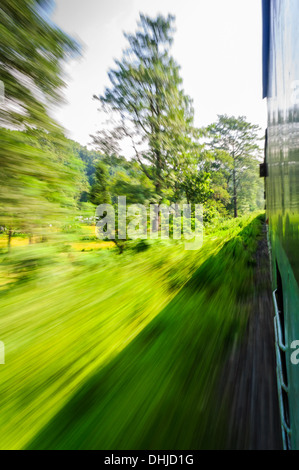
(281, 171)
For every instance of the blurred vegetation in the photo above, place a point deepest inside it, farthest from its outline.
(47, 180)
(119, 351)
(67, 316)
(147, 106)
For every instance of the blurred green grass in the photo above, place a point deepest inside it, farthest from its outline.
(122, 352)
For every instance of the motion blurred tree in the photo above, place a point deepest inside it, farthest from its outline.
(196, 186)
(99, 193)
(89, 158)
(129, 180)
(153, 111)
(31, 55)
(32, 51)
(238, 139)
(217, 164)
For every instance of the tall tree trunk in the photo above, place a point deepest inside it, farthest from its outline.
(10, 233)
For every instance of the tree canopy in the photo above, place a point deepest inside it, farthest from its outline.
(32, 52)
(153, 110)
(238, 139)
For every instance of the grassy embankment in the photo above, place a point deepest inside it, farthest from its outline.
(122, 352)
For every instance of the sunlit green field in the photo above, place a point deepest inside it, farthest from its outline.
(121, 352)
(87, 242)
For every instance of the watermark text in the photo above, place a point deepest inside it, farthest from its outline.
(138, 222)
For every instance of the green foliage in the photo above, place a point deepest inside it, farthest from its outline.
(154, 112)
(89, 158)
(31, 55)
(34, 179)
(197, 187)
(128, 179)
(99, 192)
(91, 355)
(236, 141)
(136, 335)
